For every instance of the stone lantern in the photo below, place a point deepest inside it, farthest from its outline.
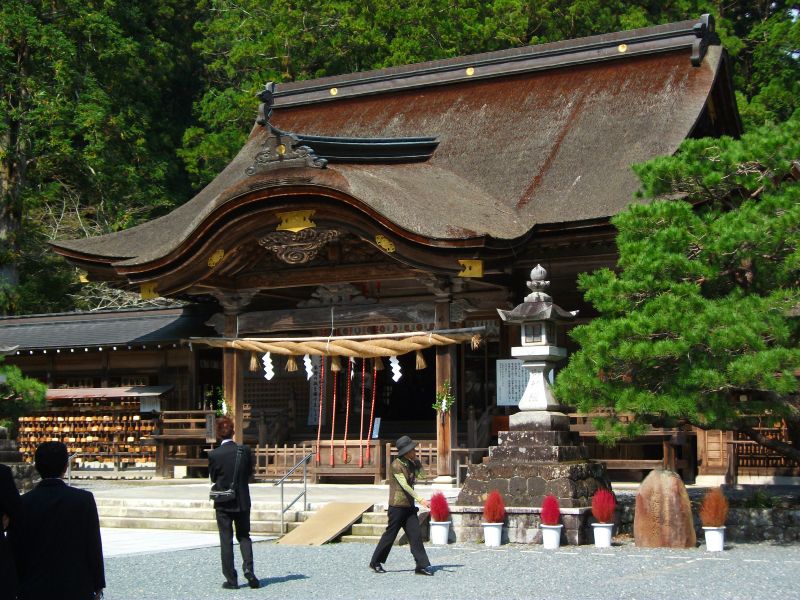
(539, 455)
(539, 352)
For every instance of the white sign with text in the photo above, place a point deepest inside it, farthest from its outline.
(512, 379)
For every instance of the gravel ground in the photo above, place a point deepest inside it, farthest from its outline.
(465, 571)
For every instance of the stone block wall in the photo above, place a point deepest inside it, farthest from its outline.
(776, 524)
(522, 525)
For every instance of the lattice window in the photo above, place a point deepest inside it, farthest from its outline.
(79, 382)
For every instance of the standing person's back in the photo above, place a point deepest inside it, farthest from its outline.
(222, 469)
(10, 509)
(61, 555)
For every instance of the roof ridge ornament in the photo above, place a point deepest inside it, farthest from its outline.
(321, 149)
(705, 32)
(281, 149)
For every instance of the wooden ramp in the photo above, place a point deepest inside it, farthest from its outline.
(326, 524)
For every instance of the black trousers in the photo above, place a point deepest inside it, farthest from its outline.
(225, 523)
(405, 518)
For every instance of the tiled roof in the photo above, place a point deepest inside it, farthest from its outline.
(529, 136)
(104, 328)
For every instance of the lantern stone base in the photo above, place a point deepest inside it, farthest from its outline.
(25, 475)
(544, 420)
(522, 525)
(9, 452)
(528, 465)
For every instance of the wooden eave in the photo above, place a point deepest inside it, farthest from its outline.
(233, 222)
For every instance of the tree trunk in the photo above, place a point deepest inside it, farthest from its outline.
(14, 150)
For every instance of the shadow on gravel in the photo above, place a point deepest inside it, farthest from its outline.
(445, 568)
(284, 579)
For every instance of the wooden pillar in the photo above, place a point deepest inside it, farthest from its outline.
(444, 372)
(233, 380)
(195, 402)
(104, 369)
(233, 303)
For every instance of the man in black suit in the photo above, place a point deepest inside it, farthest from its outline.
(10, 509)
(60, 554)
(221, 467)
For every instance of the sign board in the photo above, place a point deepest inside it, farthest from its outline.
(512, 380)
(313, 393)
(376, 428)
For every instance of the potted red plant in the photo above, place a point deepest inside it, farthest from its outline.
(494, 514)
(603, 506)
(440, 519)
(550, 526)
(713, 513)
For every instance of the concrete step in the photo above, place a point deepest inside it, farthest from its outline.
(180, 513)
(176, 503)
(375, 518)
(362, 529)
(257, 527)
(188, 515)
(360, 539)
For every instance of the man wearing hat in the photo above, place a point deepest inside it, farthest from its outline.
(402, 513)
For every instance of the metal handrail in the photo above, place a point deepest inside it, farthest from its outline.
(303, 461)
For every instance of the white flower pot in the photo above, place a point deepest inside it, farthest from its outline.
(551, 536)
(602, 534)
(492, 534)
(715, 538)
(440, 532)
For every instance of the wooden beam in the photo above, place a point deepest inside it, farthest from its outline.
(233, 381)
(444, 372)
(314, 276)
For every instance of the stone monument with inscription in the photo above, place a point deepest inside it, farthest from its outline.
(539, 455)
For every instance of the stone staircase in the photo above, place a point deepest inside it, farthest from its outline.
(188, 515)
(198, 515)
(368, 529)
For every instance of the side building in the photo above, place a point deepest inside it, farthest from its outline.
(110, 375)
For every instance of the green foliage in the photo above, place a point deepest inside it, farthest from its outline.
(112, 113)
(760, 499)
(19, 395)
(444, 398)
(88, 127)
(696, 324)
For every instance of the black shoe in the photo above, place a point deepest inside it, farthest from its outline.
(378, 568)
(252, 581)
(230, 586)
(424, 571)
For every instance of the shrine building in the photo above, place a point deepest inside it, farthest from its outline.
(355, 251)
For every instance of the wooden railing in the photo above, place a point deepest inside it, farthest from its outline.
(273, 462)
(747, 457)
(360, 460)
(426, 454)
(629, 455)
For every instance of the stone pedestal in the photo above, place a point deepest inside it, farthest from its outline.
(526, 466)
(9, 452)
(25, 475)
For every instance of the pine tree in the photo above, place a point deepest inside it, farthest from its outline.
(700, 323)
